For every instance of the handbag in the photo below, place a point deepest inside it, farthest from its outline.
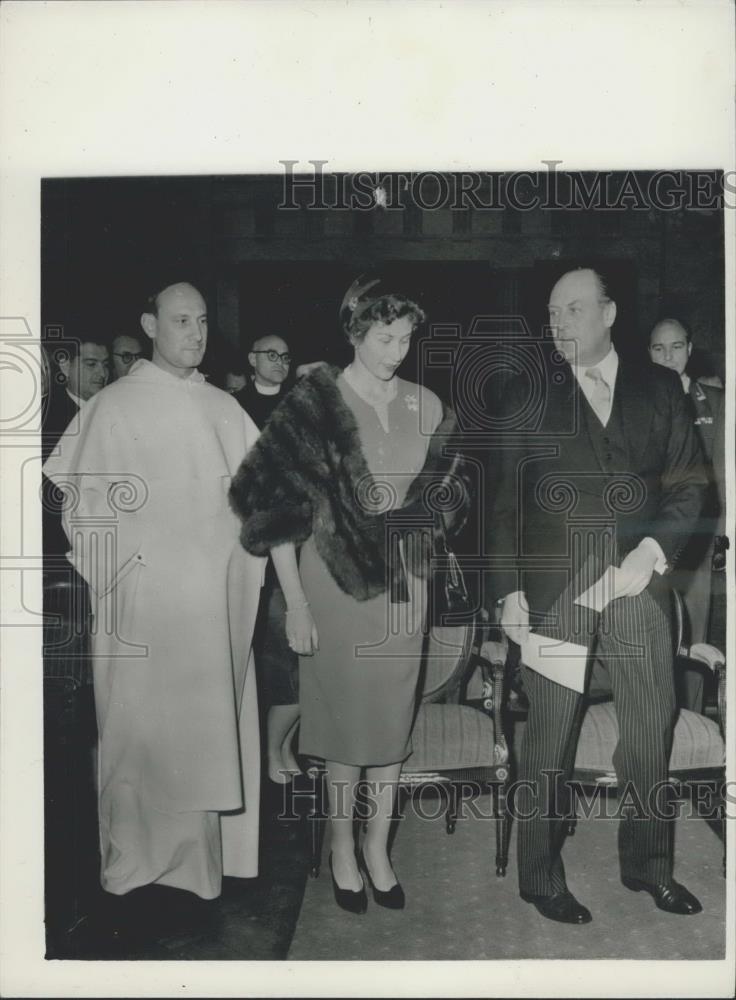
(450, 602)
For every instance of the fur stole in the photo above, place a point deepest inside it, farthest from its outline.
(307, 475)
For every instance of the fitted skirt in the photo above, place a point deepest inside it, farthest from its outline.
(358, 693)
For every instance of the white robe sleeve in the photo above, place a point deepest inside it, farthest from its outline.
(103, 495)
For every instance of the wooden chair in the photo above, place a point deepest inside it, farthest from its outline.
(458, 744)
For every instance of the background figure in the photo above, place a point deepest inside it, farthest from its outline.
(270, 361)
(126, 350)
(276, 663)
(617, 427)
(234, 382)
(670, 345)
(84, 369)
(174, 598)
(342, 451)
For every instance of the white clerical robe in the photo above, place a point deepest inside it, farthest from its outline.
(174, 595)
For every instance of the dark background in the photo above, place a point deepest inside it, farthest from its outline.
(106, 242)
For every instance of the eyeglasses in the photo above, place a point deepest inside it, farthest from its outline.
(127, 357)
(274, 356)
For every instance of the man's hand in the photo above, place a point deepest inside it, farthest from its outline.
(301, 632)
(515, 617)
(635, 572)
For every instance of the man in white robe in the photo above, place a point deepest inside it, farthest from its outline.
(174, 597)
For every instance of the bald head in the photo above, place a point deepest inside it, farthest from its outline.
(176, 323)
(581, 316)
(270, 360)
(670, 345)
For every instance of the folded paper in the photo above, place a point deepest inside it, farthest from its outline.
(562, 662)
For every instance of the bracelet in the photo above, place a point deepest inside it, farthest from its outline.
(299, 607)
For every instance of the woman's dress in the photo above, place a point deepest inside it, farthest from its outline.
(358, 691)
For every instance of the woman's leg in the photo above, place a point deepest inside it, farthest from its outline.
(280, 725)
(381, 783)
(341, 781)
(287, 751)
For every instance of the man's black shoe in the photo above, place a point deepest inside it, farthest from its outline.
(562, 907)
(672, 898)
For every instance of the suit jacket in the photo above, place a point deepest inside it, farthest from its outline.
(709, 405)
(59, 409)
(556, 500)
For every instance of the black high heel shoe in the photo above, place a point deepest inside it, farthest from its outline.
(392, 899)
(348, 899)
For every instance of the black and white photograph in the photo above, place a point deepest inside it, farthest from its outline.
(369, 534)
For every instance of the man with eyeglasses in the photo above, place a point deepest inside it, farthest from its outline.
(270, 360)
(126, 350)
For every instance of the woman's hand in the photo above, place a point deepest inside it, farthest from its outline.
(301, 632)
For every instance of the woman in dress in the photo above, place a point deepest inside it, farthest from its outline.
(339, 460)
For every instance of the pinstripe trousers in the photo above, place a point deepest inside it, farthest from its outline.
(634, 640)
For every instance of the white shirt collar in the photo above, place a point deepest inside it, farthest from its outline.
(267, 390)
(608, 367)
(75, 399)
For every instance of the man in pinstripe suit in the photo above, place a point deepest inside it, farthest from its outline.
(601, 468)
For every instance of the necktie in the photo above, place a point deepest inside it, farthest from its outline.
(600, 398)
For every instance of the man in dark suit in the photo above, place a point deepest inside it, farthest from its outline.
(84, 367)
(601, 467)
(670, 345)
(70, 727)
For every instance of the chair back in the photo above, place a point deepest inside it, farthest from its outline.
(678, 615)
(446, 658)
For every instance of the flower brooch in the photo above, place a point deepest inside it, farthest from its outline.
(412, 403)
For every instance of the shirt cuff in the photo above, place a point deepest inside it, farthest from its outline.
(653, 545)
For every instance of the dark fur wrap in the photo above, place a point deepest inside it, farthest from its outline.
(300, 478)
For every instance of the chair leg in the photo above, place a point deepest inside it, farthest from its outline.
(500, 812)
(316, 823)
(452, 807)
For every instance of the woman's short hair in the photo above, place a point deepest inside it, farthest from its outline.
(370, 300)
